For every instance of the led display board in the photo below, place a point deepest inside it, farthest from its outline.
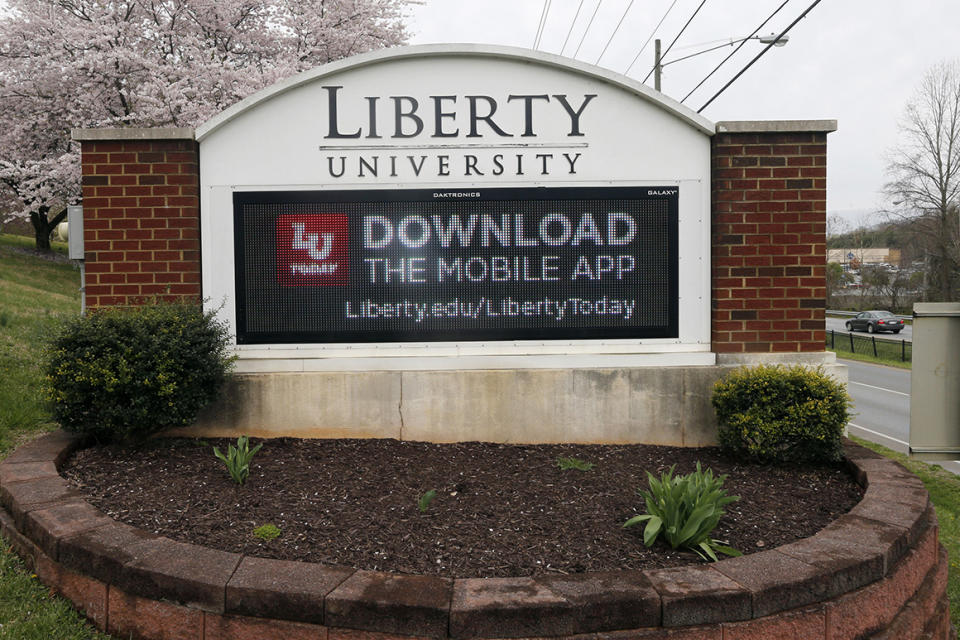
(430, 265)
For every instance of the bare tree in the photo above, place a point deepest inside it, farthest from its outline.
(925, 175)
(837, 225)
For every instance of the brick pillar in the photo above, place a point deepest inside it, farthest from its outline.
(769, 201)
(141, 214)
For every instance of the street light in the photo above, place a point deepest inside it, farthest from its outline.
(659, 64)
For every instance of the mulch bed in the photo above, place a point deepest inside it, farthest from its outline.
(500, 510)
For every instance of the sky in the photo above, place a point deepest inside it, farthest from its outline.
(855, 61)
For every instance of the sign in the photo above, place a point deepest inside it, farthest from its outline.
(431, 265)
(467, 136)
(439, 194)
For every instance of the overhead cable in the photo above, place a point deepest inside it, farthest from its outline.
(543, 23)
(664, 54)
(732, 53)
(584, 36)
(653, 33)
(612, 35)
(570, 30)
(719, 41)
(759, 55)
(728, 43)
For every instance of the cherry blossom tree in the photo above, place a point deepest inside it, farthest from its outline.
(150, 63)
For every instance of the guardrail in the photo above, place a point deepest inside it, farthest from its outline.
(879, 347)
(853, 313)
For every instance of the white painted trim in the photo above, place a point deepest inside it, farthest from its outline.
(516, 348)
(666, 103)
(281, 362)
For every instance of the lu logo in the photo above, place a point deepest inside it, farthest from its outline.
(310, 240)
(312, 249)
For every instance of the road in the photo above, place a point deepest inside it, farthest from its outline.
(881, 412)
(836, 324)
(881, 397)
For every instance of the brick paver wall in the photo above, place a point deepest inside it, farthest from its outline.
(878, 572)
(141, 214)
(769, 197)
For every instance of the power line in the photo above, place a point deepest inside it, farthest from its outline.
(576, 15)
(759, 55)
(612, 35)
(543, 23)
(653, 33)
(536, 36)
(584, 36)
(664, 54)
(732, 53)
(697, 45)
(728, 43)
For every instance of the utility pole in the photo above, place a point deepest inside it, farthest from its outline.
(657, 66)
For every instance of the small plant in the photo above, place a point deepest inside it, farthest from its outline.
(267, 532)
(238, 459)
(686, 510)
(574, 463)
(781, 414)
(424, 502)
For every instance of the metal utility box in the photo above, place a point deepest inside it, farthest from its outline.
(75, 239)
(935, 382)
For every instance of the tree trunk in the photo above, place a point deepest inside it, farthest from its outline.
(43, 227)
(946, 280)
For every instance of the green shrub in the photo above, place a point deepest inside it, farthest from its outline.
(686, 510)
(126, 373)
(781, 414)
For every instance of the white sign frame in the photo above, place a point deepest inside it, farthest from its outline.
(637, 137)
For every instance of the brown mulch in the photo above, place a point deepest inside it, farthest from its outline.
(500, 510)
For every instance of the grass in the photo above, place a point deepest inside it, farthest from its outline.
(35, 293)
(29, 612)
(863, 357)
(890, 351)
(566, 464)
(27, 242)
(944, 488)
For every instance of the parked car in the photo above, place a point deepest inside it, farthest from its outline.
(874, 321)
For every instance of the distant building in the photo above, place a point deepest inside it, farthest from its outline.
(856, 258)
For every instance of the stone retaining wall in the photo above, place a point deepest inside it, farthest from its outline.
(876, 572)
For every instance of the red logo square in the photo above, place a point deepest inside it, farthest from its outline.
(312, 250)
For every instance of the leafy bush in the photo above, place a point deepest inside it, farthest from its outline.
(781, 414)
(686, 510)
(238, 458)
(126, 373)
